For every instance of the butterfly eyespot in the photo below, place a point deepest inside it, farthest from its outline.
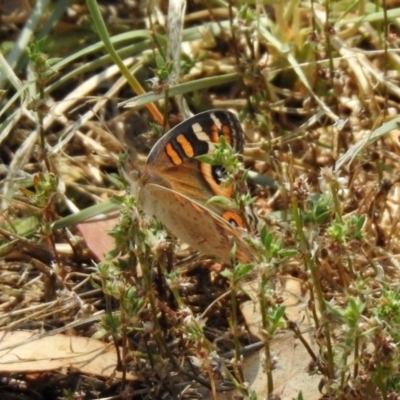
(213, 176)
(233, 218)
(218, 172)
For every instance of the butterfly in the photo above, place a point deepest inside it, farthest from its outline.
(175, 186)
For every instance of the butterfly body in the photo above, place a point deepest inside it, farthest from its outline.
(175, 186)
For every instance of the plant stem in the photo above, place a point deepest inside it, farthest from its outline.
(102, 32)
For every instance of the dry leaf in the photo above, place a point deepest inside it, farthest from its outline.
(95, 234)
(290, 375)
(26, 351)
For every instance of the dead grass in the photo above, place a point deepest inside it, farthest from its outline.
(316, 88)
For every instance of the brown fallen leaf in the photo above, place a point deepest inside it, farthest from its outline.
(95, 234)
(27, 352)
(291, 373)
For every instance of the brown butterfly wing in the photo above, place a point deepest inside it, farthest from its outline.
(194, 224)
(172, 162)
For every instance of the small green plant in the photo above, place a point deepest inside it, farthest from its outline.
(274, 249)
(386, 341)
(42, 66)
(45, 188)
(224, 155)
(388, 310)
(300, 397)
(318, 209)
(348, 230)
(251, 396)
(236, 278)
(164, 71)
